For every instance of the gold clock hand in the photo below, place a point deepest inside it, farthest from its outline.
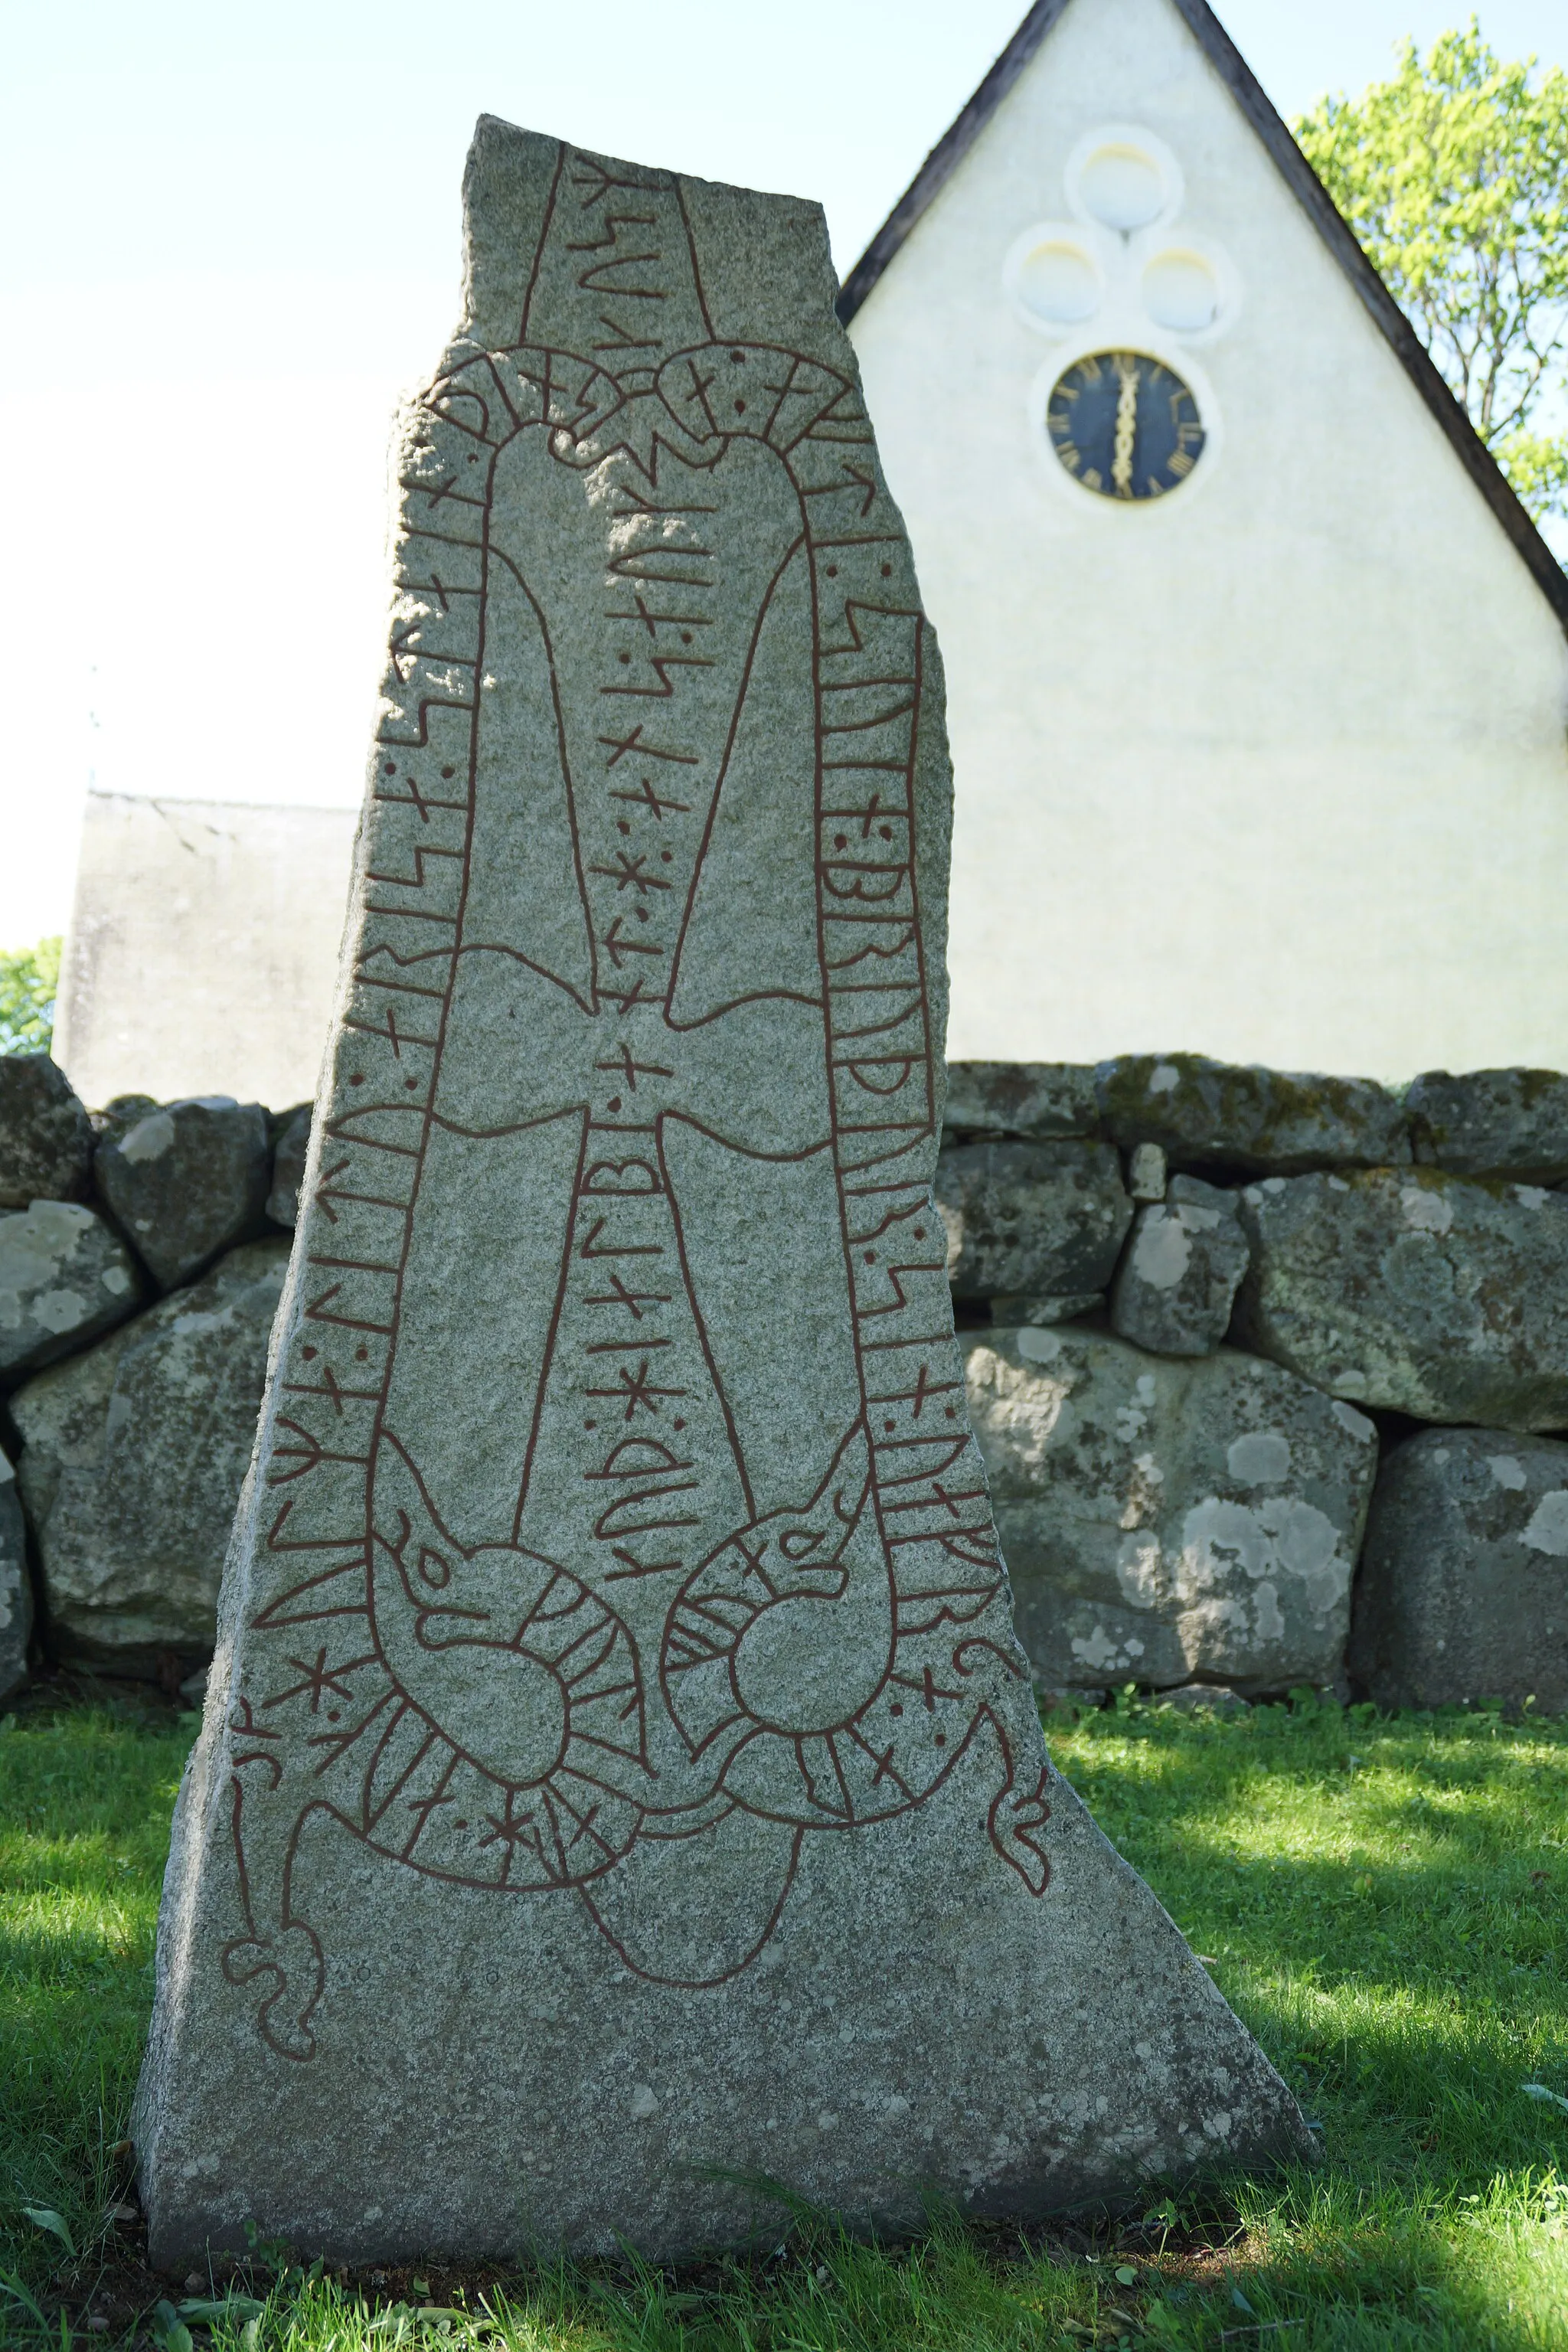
(1126, 427)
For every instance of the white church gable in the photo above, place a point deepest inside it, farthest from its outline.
(1259, 734)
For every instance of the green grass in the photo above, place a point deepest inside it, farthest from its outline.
(1381, 1900)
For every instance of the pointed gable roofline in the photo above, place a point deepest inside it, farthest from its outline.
(1311, 193)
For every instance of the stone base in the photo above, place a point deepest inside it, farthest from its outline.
(490, 2078)
(1215, 1698)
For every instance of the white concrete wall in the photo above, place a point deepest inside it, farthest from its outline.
(203, 950)
(1274, 768)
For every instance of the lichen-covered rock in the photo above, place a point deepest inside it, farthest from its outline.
(187, 1180)
(1044, 1307)
(1492, 1123)
(1225, 1116)
(1178, 1277)
(15, 1586)
(64, 1277)
(1148, 1173)
(46, 1136)
(1463, 1591)
(1043, 1219)
(1168, 1522)
(288, 1166)
(1026, 1099)
(1205, 1698)
(135, 1454)
(121, 1111)
(1410, 1289)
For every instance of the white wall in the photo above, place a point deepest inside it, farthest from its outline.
(1274, 768)
(203, 950)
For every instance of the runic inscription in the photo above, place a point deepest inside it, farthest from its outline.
(654, 1516)
(620, 1786)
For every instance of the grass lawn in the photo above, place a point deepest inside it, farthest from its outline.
(1383, 1901)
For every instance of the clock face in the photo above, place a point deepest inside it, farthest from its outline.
(1124, 425)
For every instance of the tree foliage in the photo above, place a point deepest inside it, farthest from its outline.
(1454, 176)
(29, 979)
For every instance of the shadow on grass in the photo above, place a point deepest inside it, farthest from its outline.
(1318, 2263)
(1380, 1899)
(1152, 1753)
(1406, 1994)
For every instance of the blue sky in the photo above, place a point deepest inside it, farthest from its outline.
(233, 236)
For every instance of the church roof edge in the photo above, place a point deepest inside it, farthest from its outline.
(946, 155)
(1311, 193)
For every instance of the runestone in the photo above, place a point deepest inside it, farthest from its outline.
(621, 1788)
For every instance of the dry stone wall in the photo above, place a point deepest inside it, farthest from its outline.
(1269, 1370)
(140, 1272)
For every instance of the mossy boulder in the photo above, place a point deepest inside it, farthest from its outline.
(1025, 1098)
(187, 1180)
(1492, 1123)
(1226, 1116)
(1045, 1219)
(46, 1136)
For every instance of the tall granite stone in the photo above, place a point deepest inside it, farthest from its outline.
(619, 1772)
(293, 1142)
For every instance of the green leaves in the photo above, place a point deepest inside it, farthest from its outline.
(169, 2330)
(1454, 177)
(1537, 469)
(171, 2325)
(44, 2217)
(29, 979)
(10, 2284)
(203, 2310)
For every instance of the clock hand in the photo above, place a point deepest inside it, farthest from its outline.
(1126, 427)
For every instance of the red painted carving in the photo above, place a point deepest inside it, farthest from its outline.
(652, 1642)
